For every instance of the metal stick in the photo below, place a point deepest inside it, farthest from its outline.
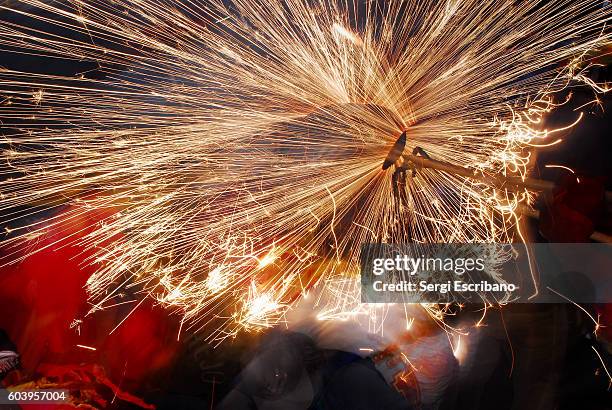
(502, 182)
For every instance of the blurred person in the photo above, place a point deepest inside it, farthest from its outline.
(288, 371)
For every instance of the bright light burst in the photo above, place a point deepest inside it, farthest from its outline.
(234, 149)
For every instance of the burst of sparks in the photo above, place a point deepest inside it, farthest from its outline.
(232, 151)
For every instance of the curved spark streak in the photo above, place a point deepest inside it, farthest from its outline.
(563, 167)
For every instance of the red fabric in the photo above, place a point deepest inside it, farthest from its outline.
(41, 296)
(88, 388)
(574, 210)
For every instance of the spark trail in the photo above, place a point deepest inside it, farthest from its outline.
(233, 149)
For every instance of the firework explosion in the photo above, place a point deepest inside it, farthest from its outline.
(233, 150)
